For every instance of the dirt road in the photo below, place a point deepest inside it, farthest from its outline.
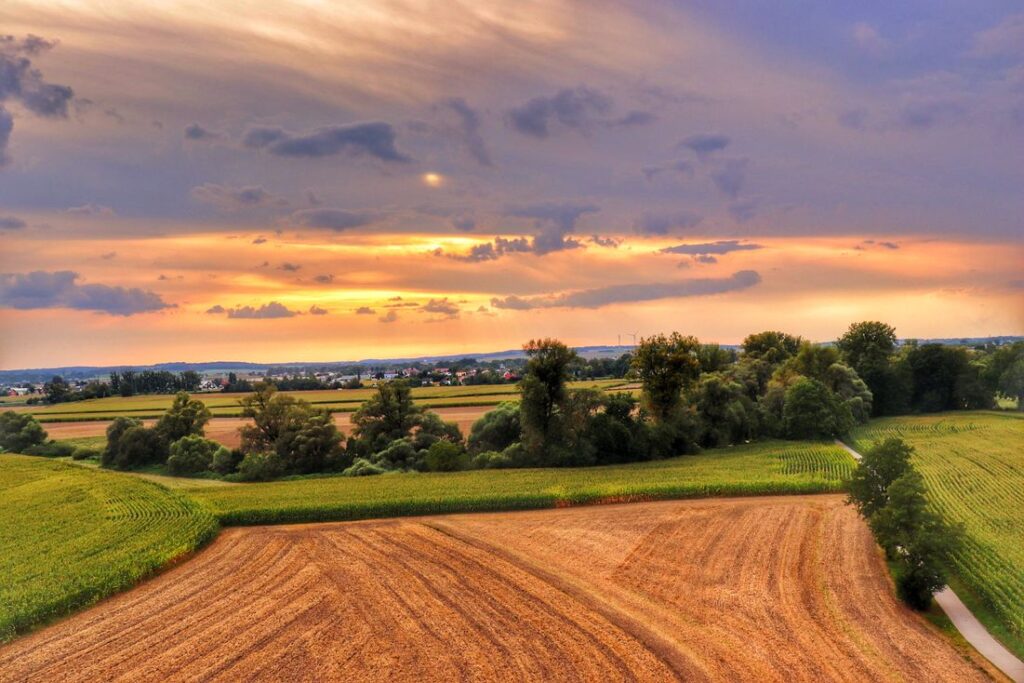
(767, 589)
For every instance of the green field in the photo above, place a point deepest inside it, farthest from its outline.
(340, 400)
(973, 465)
(755, 469)
(70, 536)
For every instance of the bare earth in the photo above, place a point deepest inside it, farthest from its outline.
(759, 589)
(225, 429)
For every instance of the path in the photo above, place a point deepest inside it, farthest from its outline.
(973, 631)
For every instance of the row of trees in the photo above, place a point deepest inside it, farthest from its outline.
(132, 382)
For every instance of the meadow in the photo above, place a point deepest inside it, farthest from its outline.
(763, 468)
(70, 536)
(973, 466)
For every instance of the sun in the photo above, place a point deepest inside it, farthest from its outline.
(432, 179)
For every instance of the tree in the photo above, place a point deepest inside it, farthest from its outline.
(56, 390)
(19, 431)
(666, 366)
(543, 395)
(944, 378)
(192, 454)
(115, 430)
(727, 415)
(185, 417)
(882, 464)
(135, 447)
(273, 414)
(445, 456)
(811, 411)
(868, 345)
(771, 346)
(314, 447)
(496, 430)
(386, 416)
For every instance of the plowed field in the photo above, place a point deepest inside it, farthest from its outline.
(763, 589)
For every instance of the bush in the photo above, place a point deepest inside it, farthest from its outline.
(226, 462)
(115, 431)
(399, 455)
(50, 449)
(445, 456)
(19, 431)
(193, 454)
(86, 453)
(260, 466)
(496, 430)
(135, 447)
(363, 468)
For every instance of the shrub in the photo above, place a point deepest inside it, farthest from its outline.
(19, 431)
(193, 454)
(399, 455)
(86, 453)
(363, 468)
(260, 466)
(445, 456)
(136, 447)
(50, 449)
(115, 431)
(226, 461)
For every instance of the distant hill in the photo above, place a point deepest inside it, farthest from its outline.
(91, 371)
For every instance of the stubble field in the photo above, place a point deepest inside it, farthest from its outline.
(768, 589)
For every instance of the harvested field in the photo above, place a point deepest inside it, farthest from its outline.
(767, 589)
(225, 429)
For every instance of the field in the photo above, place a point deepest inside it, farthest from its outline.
(70, 536)
(755, 469)
(973, 465)
(344, 400)
(770, 589)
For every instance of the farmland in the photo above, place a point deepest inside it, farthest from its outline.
(766, 589)
(973, 465)
(754, 469)
(70, 536)
(346, 400)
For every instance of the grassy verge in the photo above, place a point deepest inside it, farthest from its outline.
(70, 536)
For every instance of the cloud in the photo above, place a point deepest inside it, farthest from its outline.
(216, 310)
(463, 222)
(109, 255)
(260, 240)
(572, 108)
(365, 310)
(323, 279)
(264, 312)
(491, 251)
(11, 223)
(289, 267)
(606, 242)
(555, 221)
(20, 82)
(719, 247)
(389, 317)
(198, 133)
(236, 198)
(868, 39)
(631, 293)
(60, 289)
(745, 210)
(316, 310)
(469, 127)
(331, 219)
(704, 258)
(705, 144)
(1005, 39)
(730, 175)
(90, 209)
(374, 139)
(634, 118)
(680, 167)
(441, 306)
(930, 113)
(651, 223)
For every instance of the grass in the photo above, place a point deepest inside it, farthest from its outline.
(973, 465)
(70, 536)
(344, 400)
(755, 469)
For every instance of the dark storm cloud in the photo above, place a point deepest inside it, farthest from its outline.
(264, 312)
(705, 143)
(11, 223)
(373, 139)
(469, 126)
(331, 219)
(652, 223)
(719, 247)
(41, 289)
(20, 82)
(615, 294)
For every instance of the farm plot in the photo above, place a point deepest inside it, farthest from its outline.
(70, 536)
(973, 465)
(771, 589)
(764, 468)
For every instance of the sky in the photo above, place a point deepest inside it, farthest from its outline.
(308, 180)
